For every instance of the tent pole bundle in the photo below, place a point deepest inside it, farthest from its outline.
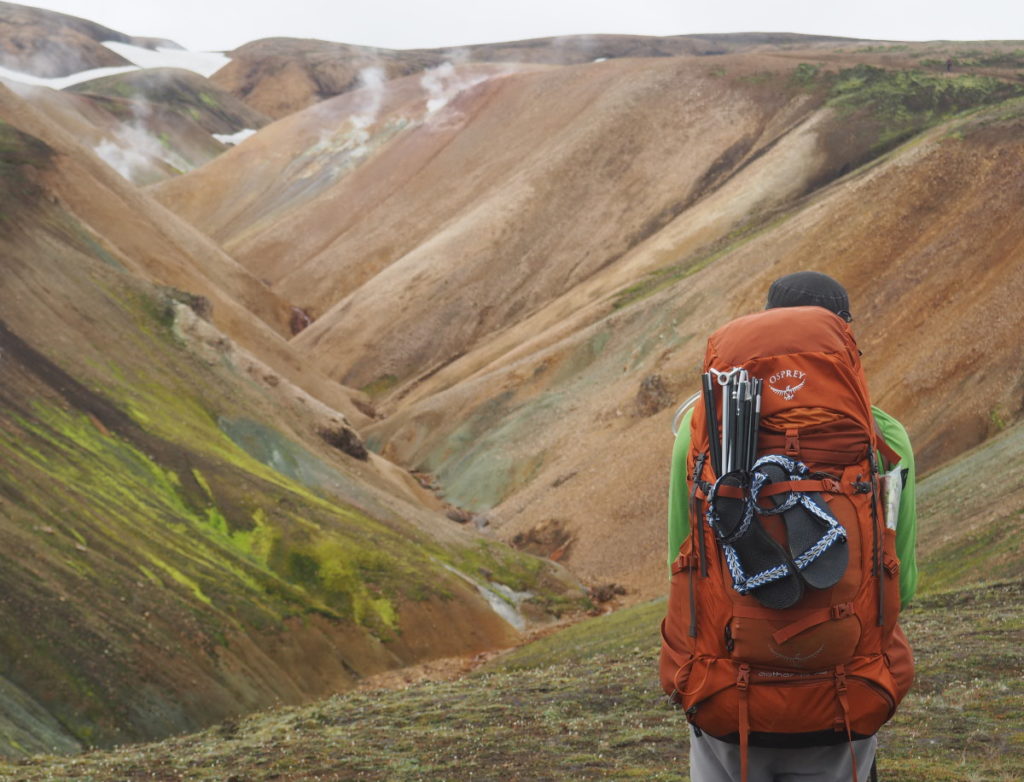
(740, 415)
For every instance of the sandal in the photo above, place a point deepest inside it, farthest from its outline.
(749, 549)
(815, 538)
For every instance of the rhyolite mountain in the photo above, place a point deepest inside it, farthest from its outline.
(46, 43)
(520, 262)
(194, 528)
(493, 268)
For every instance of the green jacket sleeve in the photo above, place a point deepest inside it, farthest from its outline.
(906, 525)
(678, 496)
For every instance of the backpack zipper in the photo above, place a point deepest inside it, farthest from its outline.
(871, 684)
(880, 690)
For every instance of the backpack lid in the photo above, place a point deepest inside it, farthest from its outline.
(782, 330)
(807, 357)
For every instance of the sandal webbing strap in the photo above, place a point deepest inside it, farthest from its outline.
(834, 531)
(741, 582)
(795, 471)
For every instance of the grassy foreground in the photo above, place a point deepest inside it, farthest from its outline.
(584, 704)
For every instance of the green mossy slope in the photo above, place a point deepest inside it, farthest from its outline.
(157, 577)
(972, 512)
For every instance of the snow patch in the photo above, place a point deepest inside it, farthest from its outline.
(60, 82)
(203, 63)
(233, 139)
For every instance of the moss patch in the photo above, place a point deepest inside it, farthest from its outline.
(380, 386)
(906, 102)
(140, 534)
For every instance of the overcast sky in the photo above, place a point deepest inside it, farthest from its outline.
(404, 24)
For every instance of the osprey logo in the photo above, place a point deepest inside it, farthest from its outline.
(794, 380)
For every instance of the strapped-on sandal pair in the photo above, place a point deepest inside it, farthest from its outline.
(816, 552)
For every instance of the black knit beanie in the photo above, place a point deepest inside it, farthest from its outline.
(805, 289)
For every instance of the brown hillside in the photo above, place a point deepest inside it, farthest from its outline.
(578, 49)
(279, 76)
(46, 43)
(291, 171)
(179, 91)
(539, 433)
(136, 619)
(146, 124)
(572, 160)
(190, 535)
(569, 190)
(507, 272)
(145, 238)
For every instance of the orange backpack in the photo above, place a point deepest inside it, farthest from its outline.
(824, 661)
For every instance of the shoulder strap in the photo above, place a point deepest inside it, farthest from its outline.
(890, 457)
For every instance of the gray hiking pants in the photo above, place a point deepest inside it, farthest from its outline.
(712, 760)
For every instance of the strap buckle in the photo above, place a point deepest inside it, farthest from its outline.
(743, 677)
(792, 442)
(840, 680)
(831, 486)
(842, 611)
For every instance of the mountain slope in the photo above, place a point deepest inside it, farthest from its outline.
(599, 678)
(165, 121)
(148, 124)
(46, 43)
(507, 274)
(547, 200)
(533, 425)
(279, 76)
(184, 540)
(147, 240)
